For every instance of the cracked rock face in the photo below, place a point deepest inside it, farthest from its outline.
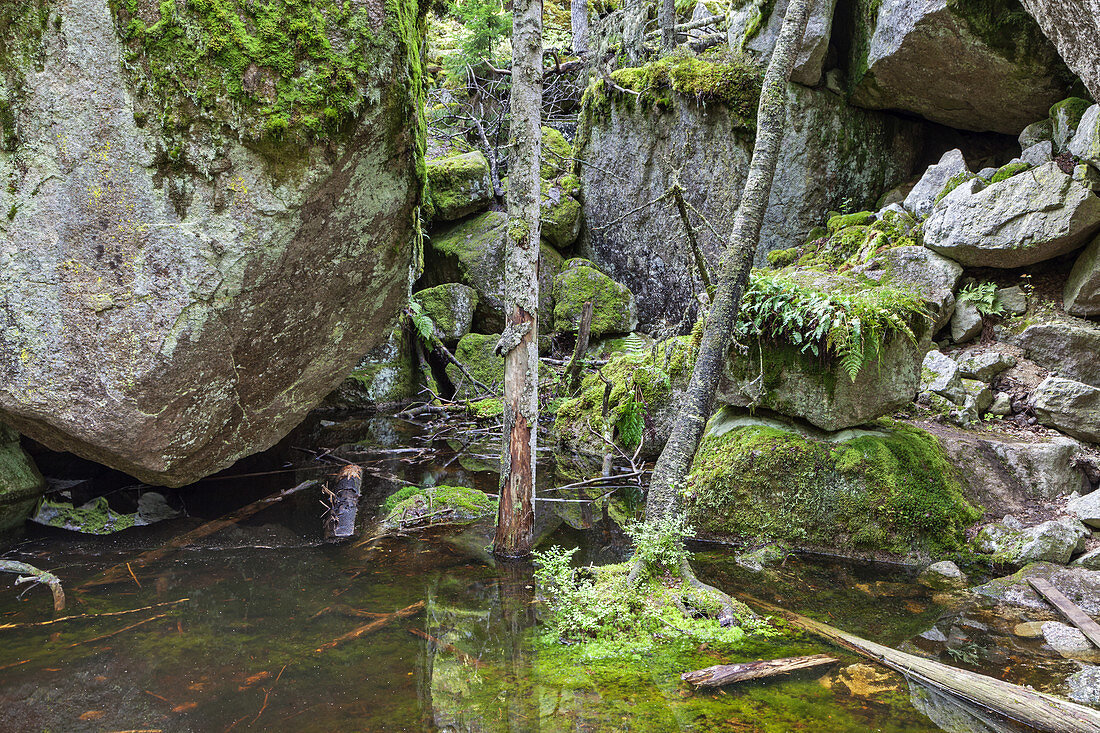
(168, 311)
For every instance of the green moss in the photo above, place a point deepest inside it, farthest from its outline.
(954, 182)
(843, 221)
(891, 490)
(444, 304)
(288, 70)
(779, 258)
(487, 408)
(762, 11)
(415, 505)
(714, 79)
(560, 220)
(612, 303)
(95, 517)
(1071, 110)
(1008, 170)
(557, 154)
(475, 351)
(457, 185)
(1010, 31)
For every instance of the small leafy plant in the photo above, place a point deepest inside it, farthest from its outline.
(422, 322)
(983, 297)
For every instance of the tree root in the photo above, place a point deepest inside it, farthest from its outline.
(726, 614)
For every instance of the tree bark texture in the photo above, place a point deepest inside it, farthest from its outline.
(519, 343)
(675, 461)
(666, 21)
(578, 17)
(634, 17)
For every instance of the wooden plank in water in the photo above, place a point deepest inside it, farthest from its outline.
(1067, 608)
(725, 674)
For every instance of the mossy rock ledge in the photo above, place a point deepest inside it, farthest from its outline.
(222, 197)
(886, 490)
(20, 482)
(580, 281)
(458, 185)
(415, 506)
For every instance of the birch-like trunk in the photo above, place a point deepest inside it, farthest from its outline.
(634, 17)
(675, 461)
(666, 21)
(578, 17)
(519, 343)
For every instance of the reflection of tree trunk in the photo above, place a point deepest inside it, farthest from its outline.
(517, 604)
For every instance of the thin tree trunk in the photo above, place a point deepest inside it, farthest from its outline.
(666, 21)
(634, 17)
(519, 343)
(675, 461)
(578, 16)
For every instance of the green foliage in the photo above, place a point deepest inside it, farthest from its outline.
(659, 545)
(485, 23)
(1008, 170)
(447, 503)
(631, 422)
(843, 221)
(983, 296)
(282, 69)
(852, 323)
(422, 322)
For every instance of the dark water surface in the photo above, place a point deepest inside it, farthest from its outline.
(256, 645)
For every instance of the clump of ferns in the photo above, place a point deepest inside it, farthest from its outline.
(852, 324)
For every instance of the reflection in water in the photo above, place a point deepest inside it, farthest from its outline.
(955, 716)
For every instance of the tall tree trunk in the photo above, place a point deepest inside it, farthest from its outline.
(634, 17)
(666, 21)
(578, 16)
(675, 461)
(519, 342)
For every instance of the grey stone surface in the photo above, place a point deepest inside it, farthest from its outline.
(815, 42)
(1012, 299)
(928, 57)
(647, 252)
(984, 364)
(1069, 406)
(1048, 469)
(1086, 508)
(1086, 141)
(451, 307)
(1090, 560)
(1002, 404)
(1081, 296)
(940, 375)
(1036, 132)
(167, 317)
(20, 482)
(1039, 153)
(1070, 347)
(1073, 26)
(922, 197)
(977, 394)
(943, 575)
(1079, 585)
(1034, 216)
(1069, 642)
(1056, 540)
(922, 270)
(1084, 686)
(966, 322)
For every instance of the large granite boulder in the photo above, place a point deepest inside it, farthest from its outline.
(1081, 296)
(472, 252)
(750, 30)
(830, 152)
(1052, 541)
(20, 482)
(197, 248)
(922, 197)
(1031, 217)
(1074, 28)
(1070, 348)
(1069, 406)
(613, 310)
(1086, 139)
(966, 65)
(919, 268)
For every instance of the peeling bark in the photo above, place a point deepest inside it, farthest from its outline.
(675, 461)
(516, 514)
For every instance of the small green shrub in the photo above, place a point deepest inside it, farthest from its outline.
(983, 296)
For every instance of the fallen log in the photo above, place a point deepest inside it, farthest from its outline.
(726, 674)
(31, 574)
(1037, 709)
(373, 626)
(344, 504)
(1067, 608)
(122, 570)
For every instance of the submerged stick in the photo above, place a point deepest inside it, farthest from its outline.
(725, 674)
(31, 574)
(92, 616)
(373, 626)
(122, 570)
(340, 519)
(1036, 709)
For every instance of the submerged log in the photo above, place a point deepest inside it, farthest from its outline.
(1067, 608)
(726, 674)
(1037, 709)
(344, 506)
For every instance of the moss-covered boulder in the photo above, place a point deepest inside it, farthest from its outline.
(458, 185)
(475, 351)
(885, 489)
(414, 507)
(1065, 116)
(834, 350)
(557, 154)
(223, 199)
(580, 281)
(560, 213)
(20, 482)
(472, 252)
(451, 307)
(386, 373)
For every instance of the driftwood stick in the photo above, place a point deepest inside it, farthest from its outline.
(725, 674)
(1067, 608)
(573, 371)
(121, 571)
(1037, 709)
(373, 626)
(340, 519)
(31, 574)
(89, 616)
